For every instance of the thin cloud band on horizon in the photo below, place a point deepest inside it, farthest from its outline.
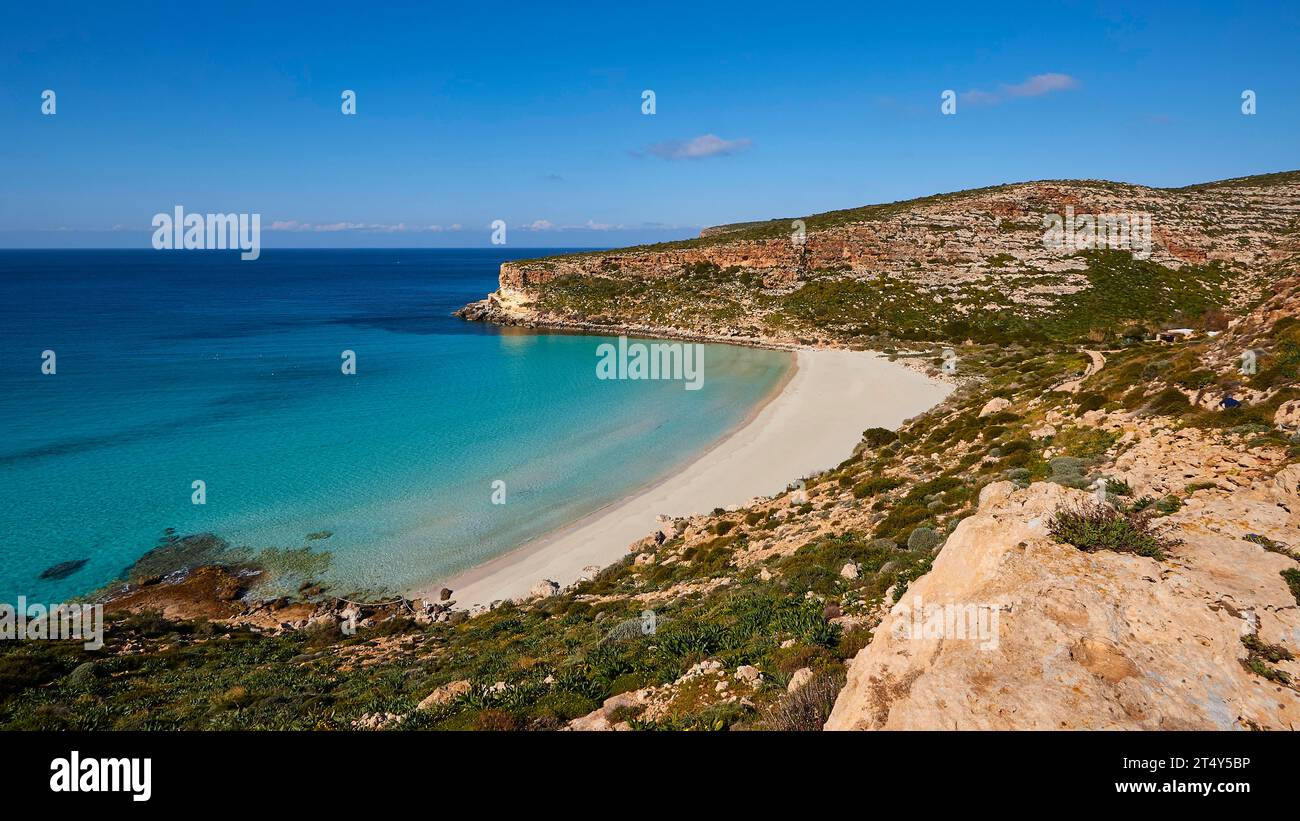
(335, 227)
(295, 226)
(303, 227)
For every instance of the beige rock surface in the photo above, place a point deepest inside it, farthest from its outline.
(444, 694)
(1101, 640)
(1288, 415)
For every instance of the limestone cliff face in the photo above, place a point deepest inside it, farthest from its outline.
(1092, 640)
(991, 240)
(765, 255)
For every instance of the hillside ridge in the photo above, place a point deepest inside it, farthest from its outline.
(979, 264)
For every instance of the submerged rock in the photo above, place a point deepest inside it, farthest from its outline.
(174, 553)
(63, 570)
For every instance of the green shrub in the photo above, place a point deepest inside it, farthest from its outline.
(1090, 402)
(940, 484)
(876, 437)
(1169, 504)
(992, 432)
(1068, 471)
(1021, 476)
(83, 677)
(1169, 402)
(1084, 443)
(1259, 655)
(1134, 397)
(1091, 526)
(1292, 578)
(923, 538)
(874, 486)
(1066, 466)
(1118, 487)
(1269, 652)
(898, 523)
(806, 709)
(1001, 417)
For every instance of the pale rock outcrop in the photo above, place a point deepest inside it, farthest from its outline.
(1168, 461)
(602, 719)
(444, 694)
(595, 721)
(1288, 415)
(799, 678)
(544, 589)
(378, 721)
(994, 405)
(706, 682)
(670, 527)
(1091, 640)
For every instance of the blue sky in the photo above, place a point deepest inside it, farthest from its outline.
(531, 113)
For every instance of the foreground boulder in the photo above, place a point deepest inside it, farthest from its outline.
(1061, 638)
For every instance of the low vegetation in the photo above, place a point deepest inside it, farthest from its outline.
(1092, 526)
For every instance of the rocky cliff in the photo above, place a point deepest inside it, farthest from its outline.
(973, 264)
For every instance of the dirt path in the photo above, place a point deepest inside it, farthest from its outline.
(1095, 363)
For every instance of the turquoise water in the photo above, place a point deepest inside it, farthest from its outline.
(181, 366)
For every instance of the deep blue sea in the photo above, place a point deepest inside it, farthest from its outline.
(177, 366)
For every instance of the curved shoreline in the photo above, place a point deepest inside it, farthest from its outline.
(809, 422)
(480, 572)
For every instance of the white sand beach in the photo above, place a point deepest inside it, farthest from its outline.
(812, 423)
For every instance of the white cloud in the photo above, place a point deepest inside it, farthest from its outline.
(1035, 86)
(1041, 84)
(706, 145)
(977, 97)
